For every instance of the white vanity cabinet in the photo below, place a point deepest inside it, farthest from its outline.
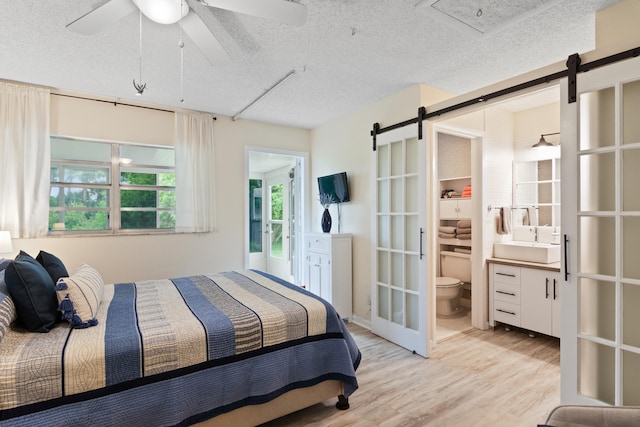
(525, 297)
(455, 208)
(541, 292)
(328, 270)
(504, 288)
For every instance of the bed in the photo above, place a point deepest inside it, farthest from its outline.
(233, 348)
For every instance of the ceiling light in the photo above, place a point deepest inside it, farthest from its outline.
(163, 11)
(543, 143)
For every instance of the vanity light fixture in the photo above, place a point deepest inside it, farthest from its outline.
(543, 143)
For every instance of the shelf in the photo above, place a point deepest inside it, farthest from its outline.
(454, 242)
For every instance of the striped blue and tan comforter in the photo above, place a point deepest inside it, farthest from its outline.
(169, 352)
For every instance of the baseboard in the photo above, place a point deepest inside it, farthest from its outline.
(365, 323)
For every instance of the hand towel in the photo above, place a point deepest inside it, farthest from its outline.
(447, 229)
(464, 236)
(447, 235)
(504, 221)
(464, 223)
(532, 216)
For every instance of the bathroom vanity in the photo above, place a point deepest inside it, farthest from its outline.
(525, 294)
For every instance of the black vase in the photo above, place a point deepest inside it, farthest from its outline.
(326, 221)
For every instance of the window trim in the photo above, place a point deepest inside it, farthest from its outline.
(114, 188)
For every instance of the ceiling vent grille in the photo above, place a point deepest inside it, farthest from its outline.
(484, 17)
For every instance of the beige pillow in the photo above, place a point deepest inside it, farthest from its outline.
(79, 297)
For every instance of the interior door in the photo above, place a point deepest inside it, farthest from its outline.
(278, 225)
(600, 344)
(399, 298)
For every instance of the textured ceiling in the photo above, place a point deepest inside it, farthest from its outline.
(349, 53)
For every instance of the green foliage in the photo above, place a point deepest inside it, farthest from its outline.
(79, 198)
(276, 202)
(255, 216)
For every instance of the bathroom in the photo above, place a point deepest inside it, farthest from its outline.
(487, 174)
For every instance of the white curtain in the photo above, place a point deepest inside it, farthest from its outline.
(25, 155)
(195, 173)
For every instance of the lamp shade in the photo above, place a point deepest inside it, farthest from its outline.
(5, 242)
(163, 11)
(543, 143)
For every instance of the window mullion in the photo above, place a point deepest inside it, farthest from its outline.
(114, 217)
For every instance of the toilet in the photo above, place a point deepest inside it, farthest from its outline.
(455, 268)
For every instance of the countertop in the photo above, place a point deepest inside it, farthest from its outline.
(554, 266)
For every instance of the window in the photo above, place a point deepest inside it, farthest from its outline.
(107, 187)
(255, 215)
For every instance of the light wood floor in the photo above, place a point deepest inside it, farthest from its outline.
(475, 378)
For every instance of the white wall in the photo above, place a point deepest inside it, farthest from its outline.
(345, 144)
(529, 125)
(127, 258)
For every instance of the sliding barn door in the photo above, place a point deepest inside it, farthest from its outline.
(600, 344)
(399, 306)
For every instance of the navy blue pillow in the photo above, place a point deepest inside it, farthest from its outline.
(53, 265)
(33, 293)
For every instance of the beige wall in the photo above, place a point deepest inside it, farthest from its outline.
(126, 258)
(345, 144)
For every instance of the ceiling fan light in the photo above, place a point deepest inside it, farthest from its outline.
(163, 11)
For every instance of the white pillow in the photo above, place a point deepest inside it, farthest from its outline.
(79, 296)
(7, 308)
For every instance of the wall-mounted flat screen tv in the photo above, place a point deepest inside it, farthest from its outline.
(335, 185)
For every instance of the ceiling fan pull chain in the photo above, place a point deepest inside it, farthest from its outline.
(181, 45)
(139, 86)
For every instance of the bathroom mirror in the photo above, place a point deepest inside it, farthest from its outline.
(537, 193)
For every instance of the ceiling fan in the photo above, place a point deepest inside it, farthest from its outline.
(172, 11)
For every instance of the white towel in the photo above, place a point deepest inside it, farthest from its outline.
(530, 216)
(447, 229)
(504, 221)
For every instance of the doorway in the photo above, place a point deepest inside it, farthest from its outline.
(274, 212)
(454, 251)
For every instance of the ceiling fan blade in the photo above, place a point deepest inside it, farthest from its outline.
(102, 17)
(199, 33)
(284, 11)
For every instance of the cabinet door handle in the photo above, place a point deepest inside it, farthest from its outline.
(506, 293)
(566, 258)
(546, 287)
(505, 274)
(505, 311)
(555, 295)
(421, 233)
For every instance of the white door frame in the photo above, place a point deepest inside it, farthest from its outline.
(479, 283)
(302, 213)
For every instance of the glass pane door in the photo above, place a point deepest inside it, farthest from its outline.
(603, 351)
(399, 296)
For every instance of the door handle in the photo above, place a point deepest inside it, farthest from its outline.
(421, 233)
(555, 295)
(546, 287)
(566, 258)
